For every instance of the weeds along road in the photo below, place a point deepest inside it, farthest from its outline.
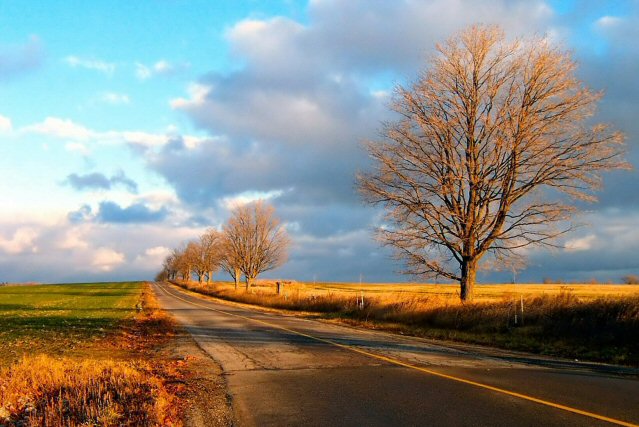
(287, 371)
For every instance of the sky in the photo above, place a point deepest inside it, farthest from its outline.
(127, 128)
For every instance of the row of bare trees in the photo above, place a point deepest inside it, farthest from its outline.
(251, 242)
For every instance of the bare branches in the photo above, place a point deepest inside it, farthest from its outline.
(256, 238)
(252, 241)
(489, 124)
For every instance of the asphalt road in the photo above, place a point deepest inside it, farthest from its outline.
(288, 371)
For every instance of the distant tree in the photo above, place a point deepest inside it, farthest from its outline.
(197, 259)
(167, 269)
(211, 246)
(487, 138)
(231, 258)
(631, 279)
(255, 238)
(180, 263)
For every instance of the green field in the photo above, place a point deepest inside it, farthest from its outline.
(56, 318)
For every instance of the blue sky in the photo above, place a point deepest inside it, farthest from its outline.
(127, 128)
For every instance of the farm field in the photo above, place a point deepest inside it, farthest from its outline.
(447, 292)
(55, 319)
(577, 321)
(82, 354)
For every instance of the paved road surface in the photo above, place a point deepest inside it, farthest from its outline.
(287, 371)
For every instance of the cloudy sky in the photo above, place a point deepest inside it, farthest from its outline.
(127, 127)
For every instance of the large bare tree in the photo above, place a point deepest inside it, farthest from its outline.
(255, 238)
(487, 140)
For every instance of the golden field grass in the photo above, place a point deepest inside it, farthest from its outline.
(580, 321)
(83, 355)
(448, 293)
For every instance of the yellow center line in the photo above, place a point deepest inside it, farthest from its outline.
(415, 367)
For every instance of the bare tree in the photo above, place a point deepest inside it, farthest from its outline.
(231, 258)
(180, 264)
(487, 140)
(211, 252)
(169, 267)
(255, 238)
(194, 258)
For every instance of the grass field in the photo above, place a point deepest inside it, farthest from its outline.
(57, 318)
(580, 321)
(447, 292)
(82, 354)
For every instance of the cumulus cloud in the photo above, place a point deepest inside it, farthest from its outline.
(581, 243)
(21, 241)
(106, 259)
(92, 251)
(99, 181)
(99, 65)
(152, 256)
(287, 123)
(290, 120)
(73, 238)
(292, 117)
(16, 60)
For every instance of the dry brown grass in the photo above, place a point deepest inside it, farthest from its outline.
(119, 379)
(42, 390)
(595, 322)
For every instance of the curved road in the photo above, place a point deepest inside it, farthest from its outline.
(287, 371)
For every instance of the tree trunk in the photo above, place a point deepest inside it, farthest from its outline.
(248, 283)
(468, 274)
(237, 278)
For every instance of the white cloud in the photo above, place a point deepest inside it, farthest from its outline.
(73, 239)
(163, 67)
(160, 68)
(5, 124)
(250, 196)
(21, 241)
(115, 98)
(107, 68)
(78, 135)
(197, 96)
(59, 128)
(107, 259)
(608, 21)
(153, 257)
(580, 244)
